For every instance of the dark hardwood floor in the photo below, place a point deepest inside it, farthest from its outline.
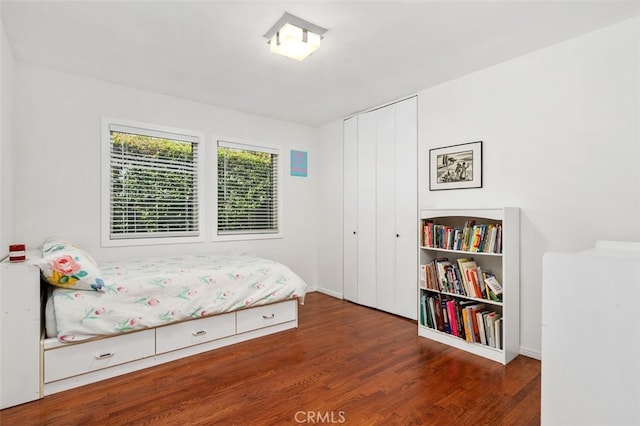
(345, 364)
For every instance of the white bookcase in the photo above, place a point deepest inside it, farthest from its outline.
(504, 264)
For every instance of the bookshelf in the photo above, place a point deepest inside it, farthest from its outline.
(469, 287)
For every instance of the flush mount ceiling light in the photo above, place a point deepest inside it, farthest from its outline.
(294, 37)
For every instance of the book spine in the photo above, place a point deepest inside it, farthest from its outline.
(445, 316)
(453, 323)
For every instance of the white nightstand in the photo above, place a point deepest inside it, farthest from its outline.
(19, 332)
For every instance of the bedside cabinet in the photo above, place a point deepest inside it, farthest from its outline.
(19, 333)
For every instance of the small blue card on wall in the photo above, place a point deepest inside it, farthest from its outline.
(299, 163)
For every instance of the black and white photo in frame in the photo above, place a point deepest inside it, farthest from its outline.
(456, 166)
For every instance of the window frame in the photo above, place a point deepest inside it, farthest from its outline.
(155, 130)
(253, 146)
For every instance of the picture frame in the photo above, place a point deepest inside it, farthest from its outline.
(456, 167)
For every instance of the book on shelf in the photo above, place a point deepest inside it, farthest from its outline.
(441, 265)
(491, 328)
(453, 321)
(468, 327)
(432, 278)
(477, 233)
(434, 306)
(466, 263)
(474, 322)
(445, 317)
(490, 244)
(498, 333)
(427, 234)
(482, 287)
(493, 296)
(466, 234)
(467, 314)
(474, 283)
(481, 319)
(471, 308)
(431, 312)
(493, 284)
(423, 310)
(487, 275)
(473, 278)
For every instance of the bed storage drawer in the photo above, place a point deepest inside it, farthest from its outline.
(189, 333)
(265, 316)
(68, 361)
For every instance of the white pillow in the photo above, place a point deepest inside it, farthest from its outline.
(66, 265)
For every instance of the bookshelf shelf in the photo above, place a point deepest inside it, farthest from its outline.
(477, 299)
(475, 253)
(456, 305)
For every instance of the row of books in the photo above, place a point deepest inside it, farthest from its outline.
(479, 238)
(467, 320)
(462, 276)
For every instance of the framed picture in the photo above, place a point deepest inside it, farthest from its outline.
(456, 167)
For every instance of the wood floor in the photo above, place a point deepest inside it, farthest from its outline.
(345, 364)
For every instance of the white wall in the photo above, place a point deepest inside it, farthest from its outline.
(560, 139)
(6, 145)
(330, 202)
(57, 167)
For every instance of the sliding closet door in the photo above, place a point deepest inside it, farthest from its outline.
(406, 207)
(350, 199)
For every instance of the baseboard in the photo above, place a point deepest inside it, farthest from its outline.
(329, 292)
(531, 353)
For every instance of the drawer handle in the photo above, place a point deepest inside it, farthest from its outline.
(105, 356)
(272, 316)
(199, 333)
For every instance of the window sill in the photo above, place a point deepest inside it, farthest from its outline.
(130, 242)
(246, 237)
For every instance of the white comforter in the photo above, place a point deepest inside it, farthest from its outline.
(154, 292)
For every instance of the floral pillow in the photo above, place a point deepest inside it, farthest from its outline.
(66, 265)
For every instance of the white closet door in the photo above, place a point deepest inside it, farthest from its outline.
(385, 208)
(406, 208)
(350, 237)
(367, 280)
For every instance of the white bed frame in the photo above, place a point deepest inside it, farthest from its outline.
(28, 374)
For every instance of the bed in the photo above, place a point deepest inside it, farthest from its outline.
(123, 316)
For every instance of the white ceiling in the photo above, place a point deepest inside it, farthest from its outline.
(214, 52)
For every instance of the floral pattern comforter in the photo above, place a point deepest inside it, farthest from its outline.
(153, 292)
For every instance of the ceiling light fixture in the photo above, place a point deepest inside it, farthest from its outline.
(294, 37)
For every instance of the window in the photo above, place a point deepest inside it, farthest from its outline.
(151, 184)
(248, 190)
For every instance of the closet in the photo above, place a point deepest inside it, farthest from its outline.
(380, 208)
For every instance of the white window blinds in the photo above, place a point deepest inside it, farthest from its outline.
(153, 183)
(247, 189)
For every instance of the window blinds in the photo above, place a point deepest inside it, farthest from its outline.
(154, 184)
(247, 189)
